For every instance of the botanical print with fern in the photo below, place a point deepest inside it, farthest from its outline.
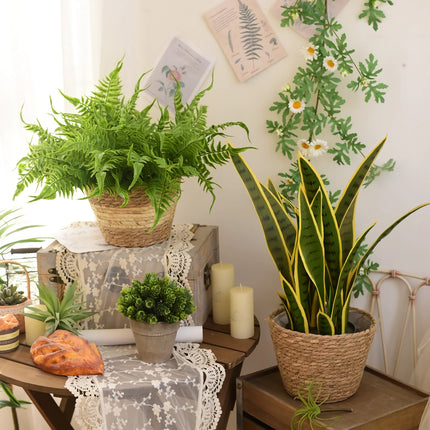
(245, 36)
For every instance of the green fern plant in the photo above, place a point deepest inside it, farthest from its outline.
(109, 146)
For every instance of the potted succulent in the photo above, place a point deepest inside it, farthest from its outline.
(123, 157)
(155, 308)
(318, 259)
(12, 299)
(59, 314)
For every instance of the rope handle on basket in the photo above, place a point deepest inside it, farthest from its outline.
(25, 271)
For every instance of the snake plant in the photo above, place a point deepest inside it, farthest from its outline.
(317, 253)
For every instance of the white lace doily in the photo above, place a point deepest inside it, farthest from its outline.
(179, 394)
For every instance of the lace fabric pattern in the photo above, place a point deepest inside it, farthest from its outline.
(178, 394)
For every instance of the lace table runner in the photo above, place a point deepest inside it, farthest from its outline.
(178, 394)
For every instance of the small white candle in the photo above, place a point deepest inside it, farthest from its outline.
(222, 280)
(34, 328)
(242, 312)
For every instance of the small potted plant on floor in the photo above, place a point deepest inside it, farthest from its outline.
(129, 162)
(318, 258)
(155, 308)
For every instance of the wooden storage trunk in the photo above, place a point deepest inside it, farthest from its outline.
(381, 403)
(204, 253)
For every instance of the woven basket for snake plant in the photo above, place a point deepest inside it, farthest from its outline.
(129, 225)
(335, 364)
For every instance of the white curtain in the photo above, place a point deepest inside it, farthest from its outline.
(46, 45)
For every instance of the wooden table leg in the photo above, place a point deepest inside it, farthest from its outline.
(57, 417)
(227, 395)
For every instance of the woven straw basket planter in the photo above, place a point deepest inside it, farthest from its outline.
(129, 225)
(18, 309)
(335, 363)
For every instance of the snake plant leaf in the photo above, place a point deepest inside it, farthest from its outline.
(332, 239)
(311, 246)
(345, 208)
(286, 306)
(288, 228)
(297, 313)
(344, 284)
(302, 283)
(325, 324)
(272, 232)
(387, 231)
(316, 207)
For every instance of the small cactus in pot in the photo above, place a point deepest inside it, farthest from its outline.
(10, 295)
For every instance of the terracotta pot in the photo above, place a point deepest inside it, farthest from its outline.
(154, 342)
(334, 363)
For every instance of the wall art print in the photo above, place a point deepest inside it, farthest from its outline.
(178, 63)
(245, 36)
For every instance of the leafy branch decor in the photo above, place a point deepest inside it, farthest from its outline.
(310, 107)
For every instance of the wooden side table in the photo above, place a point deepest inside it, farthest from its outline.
(17, 368)
(381, 403)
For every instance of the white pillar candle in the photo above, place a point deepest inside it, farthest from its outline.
(242, 312)
(222, 280)
(34, 328)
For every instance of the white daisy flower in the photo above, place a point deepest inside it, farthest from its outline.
(304, 147)
(296, 106)
(330, 63)
(318, 147)
(310, 52)
(344, 73)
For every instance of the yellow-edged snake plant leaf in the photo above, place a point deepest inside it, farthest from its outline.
(325, 324)
(345, 208)
(286, 225)
(272, 232)
(311, 246)
(332, 240)
(296, 312)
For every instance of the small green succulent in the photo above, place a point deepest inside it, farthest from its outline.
(10, 295)
(60, 315)
(155, 300)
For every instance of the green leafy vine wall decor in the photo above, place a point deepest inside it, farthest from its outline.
(310, 107)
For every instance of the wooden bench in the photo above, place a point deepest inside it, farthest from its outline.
(17, 368)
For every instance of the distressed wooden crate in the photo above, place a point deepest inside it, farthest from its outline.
(204, 253)
(381, 403)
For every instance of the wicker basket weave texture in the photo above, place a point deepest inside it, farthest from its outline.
(129, 226)
(335, 363)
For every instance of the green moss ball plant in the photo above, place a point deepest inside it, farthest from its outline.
(156, 299)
